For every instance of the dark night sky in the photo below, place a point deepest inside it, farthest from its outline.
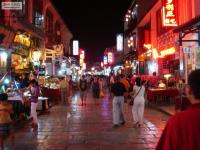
(94, 23)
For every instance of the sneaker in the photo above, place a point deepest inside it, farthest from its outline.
(122, 123)
(115, 126)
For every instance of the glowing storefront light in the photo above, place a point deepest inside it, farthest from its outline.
(36, 55)
(169, 15)
(22, 39)
(163, 53)
(75, 47)
(110, 57)
(169, 51)
(120, 42)
(105, 60)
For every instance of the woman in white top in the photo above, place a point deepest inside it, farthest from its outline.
(139, 103)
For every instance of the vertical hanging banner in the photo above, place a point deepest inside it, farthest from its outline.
(119, 41)
(169, 13)
(110, 58)
(75, 47)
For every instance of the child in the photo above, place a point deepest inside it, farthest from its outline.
(5, 120)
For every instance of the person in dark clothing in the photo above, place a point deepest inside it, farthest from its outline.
(95, 89)
(118, 89)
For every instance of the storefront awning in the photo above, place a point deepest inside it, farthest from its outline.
(192, 26)
(189, 26)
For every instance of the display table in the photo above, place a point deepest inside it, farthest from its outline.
(155, 94)
(52, 94)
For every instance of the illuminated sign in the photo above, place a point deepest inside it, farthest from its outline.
(119, 42)
(169, 15)
(163, 53)
(147, 46)
(75, 47)
(169, 51)
(11, 5)
(22, 39)
(105, 60)
(110, 57)
(82, 57)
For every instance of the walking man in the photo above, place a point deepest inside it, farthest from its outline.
(118, 90)
(83, 89)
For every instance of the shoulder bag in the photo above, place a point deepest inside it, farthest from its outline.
(132, 99)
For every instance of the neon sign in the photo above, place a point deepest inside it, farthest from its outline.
(169, 51)
(163, 53)
(22, 39)
(147, 46)
(105, 60)
(169, 16)
(110, 57)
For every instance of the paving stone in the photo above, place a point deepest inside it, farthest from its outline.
(77, 127)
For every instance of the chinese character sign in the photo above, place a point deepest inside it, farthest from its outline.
(105, 60)
(82, 57)
(169, 13)
(110, 57)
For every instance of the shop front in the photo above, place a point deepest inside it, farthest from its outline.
(189, 41)
(25, 53)
(3, 60)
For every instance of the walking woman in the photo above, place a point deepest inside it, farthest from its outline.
(95, 89)
(35, 92)
(139, 103)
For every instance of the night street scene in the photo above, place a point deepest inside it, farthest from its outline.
(100, 75)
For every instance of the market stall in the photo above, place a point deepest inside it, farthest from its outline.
(153, 95)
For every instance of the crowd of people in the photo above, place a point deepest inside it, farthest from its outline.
(122, 91)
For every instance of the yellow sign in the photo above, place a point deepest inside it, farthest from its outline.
(22, 39)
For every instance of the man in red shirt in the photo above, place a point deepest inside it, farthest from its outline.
(182, 131)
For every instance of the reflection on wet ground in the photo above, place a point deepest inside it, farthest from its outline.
(89, 127)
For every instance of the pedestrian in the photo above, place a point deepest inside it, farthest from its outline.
(70, 87)
(101, 94)
(63, 90)
(96, 89)
(83, 89)
(182, 131)
(138, 102)
(111, 82)
(118, 90)
(5, 120)
(35, 92)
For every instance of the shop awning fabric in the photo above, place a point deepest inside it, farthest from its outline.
(192, 26)
(189, 26)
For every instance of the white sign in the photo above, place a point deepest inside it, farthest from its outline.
(119, 42)
(75, 47)
(187, 50)
(11, 5)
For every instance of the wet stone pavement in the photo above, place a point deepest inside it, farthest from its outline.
(89, 127)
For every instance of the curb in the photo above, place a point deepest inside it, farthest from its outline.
(159, 109)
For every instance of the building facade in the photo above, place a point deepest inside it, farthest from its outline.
(161, 36)
(26, 33)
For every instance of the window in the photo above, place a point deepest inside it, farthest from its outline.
(38, 19)
(49, 22)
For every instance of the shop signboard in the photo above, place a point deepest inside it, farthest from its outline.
(105, 60)
(119, 41)
(169, 13)
(75, 48)
(22, 39)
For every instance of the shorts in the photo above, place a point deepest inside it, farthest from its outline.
(83, 93)
(4, 130)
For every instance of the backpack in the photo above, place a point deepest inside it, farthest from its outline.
(83, 85)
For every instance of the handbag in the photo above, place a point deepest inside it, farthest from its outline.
(132, 100)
